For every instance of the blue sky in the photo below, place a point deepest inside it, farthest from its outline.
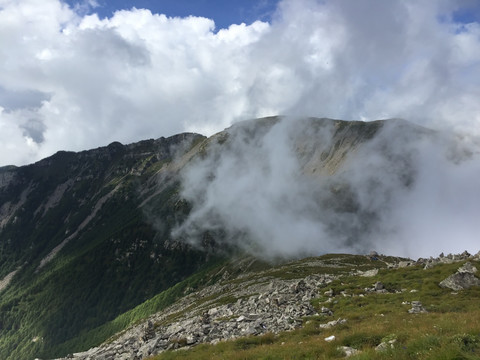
(223, 12)
(468, 13)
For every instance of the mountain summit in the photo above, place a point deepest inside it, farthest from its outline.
(86, 237)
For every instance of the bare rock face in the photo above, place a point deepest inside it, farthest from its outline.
(447, 259)
(467, 268)
(262, 305)
(7, 175)
(464, 278)
(460, 281)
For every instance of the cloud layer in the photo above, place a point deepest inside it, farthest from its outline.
(71, 81)
(407, 192)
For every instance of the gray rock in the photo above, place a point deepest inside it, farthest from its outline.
(191, 340)
(417, 308)
(383, 346)
(379, 286)
(348, 351)
(447, 260)
(149, 331)
(368, 273)
(264, 305)
(333, 323)
(328, 293)
(460, 281)
(430, 264)
(161, 344)
(467, 268)
(326, 311)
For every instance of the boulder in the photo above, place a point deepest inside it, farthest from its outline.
(326, 311)
(464, 278)
(382, 347)
(460, 281)
(385, 345)
(368, 273)
(417, 308)
(333, 323)
(379, 286)
(148, 331)
(347, 351)
(467, 268)
(328, 293)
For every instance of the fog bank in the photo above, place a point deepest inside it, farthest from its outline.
(297, 187)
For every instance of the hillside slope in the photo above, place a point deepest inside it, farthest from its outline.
(376, 306)
(77, 245)
(95, 241)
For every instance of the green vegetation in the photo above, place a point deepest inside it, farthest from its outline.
(112, 209)
(450, 329)
(157, 303)
(118, 258)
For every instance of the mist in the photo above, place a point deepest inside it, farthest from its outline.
(289, 187)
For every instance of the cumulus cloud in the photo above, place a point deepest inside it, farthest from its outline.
(270, 189)
(72, 81)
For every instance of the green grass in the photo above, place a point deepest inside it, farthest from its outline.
(450, 329)
(91, 289)
(157, 303)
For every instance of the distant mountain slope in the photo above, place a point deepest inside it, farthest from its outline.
(83, 248)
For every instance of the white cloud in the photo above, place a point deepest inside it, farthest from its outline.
(407, 192)
(83, 81)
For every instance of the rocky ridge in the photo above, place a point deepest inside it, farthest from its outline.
(255, 304)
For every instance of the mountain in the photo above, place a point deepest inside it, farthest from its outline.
(92, 242)
(78, 245)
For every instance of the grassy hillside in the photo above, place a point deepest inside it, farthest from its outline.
(449, 330)
(84, 245)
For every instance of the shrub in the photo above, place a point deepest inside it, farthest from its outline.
(467, 342)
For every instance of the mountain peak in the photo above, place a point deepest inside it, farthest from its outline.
(95, 234)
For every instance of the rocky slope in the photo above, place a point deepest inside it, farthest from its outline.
(273, 300)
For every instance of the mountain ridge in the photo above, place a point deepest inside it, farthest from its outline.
(128, 223)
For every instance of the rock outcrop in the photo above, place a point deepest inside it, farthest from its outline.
(278, 305)
(446, 259)
(417, 308)
(464, 278)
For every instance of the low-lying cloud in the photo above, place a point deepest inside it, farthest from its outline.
(73, 81)
(278, 191)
